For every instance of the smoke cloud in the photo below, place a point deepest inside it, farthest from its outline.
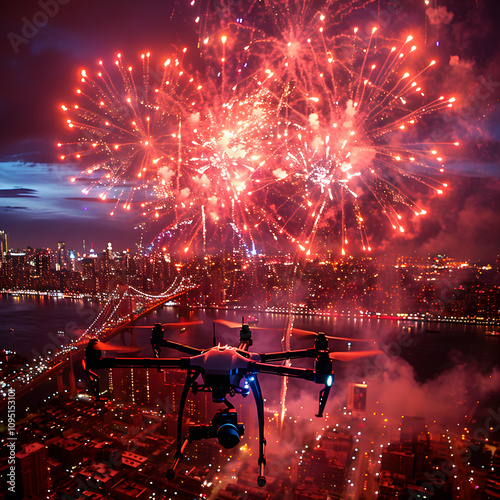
(440, 15)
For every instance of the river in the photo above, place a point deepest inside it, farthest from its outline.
(423, 353)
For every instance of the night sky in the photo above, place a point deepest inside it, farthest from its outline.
(41, 67)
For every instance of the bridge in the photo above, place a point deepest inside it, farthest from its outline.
(123, 307)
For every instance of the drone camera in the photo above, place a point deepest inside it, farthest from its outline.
(229, 431)
(224, 426)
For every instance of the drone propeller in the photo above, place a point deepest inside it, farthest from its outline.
(307, 333)
(297, 331)
(97, 345)
(352, 355)
(171, 326)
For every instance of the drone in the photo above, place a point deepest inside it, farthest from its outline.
(226, 371)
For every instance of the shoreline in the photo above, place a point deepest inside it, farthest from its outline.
(296, 311)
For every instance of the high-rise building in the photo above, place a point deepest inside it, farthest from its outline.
(32, 471)
(89, 274)
(42, 262)
(139, 386)
(62, 258)
(400, 461)
(327, 464)
(16, 272)
(492, 487)
(3, 245)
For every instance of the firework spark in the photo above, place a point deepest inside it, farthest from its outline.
(350, 132)
(125, 136)
(278, 135)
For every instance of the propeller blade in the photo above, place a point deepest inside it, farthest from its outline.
(229, 324)
(351, 356)
(307, 333)
(106, 346)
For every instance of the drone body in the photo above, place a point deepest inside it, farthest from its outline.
(225, 370)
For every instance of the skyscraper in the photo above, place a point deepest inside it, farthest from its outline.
(3, 245)
(62, 256)
(32, 472)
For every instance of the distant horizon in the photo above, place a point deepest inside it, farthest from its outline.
(89, 244)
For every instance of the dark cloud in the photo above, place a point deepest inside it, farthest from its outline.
(8, 208)
(457, 388)
(462, 223)
(18, 193)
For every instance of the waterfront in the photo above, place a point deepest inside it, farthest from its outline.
(35, 325)
(419, 352)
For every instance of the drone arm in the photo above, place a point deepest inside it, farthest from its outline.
(257, 393)
(193, 351)
(182, 363)
(318, 376)
(281, 356)
(289, 371)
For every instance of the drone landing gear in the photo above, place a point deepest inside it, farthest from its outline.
(257, 394)
(323, 396)
(177, 458)
(192, 375)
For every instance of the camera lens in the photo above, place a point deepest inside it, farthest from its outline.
(228, 435)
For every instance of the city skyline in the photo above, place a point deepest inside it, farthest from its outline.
(87, 247)
(39, 200)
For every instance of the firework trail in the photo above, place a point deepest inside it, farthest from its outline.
(350, 132)
(222, 145)
(279, 136)
(125, 137)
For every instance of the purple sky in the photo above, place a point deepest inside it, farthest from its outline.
(40, 67)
